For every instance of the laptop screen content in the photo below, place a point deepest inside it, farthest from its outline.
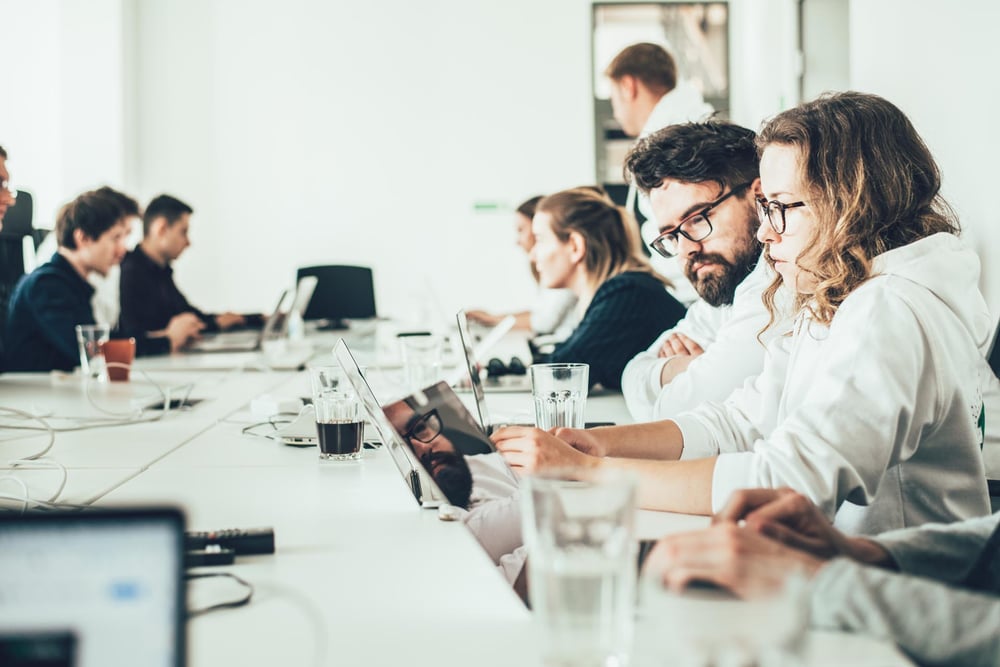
(92, 589)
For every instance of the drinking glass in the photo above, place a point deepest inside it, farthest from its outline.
(339, 421)
(579, 530)
(559, 392)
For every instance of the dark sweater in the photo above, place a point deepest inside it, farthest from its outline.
(149, 296)
(625, 316)
(44, 310)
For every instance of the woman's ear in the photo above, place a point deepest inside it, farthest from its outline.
(577, 247)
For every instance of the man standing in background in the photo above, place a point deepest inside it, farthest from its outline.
(646, 96)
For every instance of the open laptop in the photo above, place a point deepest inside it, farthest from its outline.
(416, 478)
(507, 383)
(475, 378)
(95, 588)
(275, 326)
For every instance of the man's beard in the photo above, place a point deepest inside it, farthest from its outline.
(719, 289)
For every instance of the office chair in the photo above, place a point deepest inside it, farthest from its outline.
(19, 219)
(11, 270)
(342, 292)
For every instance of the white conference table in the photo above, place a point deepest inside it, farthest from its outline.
(361, 575)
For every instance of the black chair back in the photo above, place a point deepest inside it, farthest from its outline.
(11, 270)
(19, 219)
(341, 292)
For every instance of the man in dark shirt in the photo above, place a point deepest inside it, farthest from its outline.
(48, 303)
(149, 297)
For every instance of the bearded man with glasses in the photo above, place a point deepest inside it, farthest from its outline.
(702, 180)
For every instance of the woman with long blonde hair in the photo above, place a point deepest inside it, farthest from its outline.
(584, 243)
(871, 405)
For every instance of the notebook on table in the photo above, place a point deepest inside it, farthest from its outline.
(95, 588)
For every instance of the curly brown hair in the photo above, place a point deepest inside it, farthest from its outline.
(872, 186)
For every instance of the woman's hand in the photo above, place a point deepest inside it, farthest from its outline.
(529, 449)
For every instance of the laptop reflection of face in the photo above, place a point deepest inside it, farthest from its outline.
(417, 479)
(95, 588)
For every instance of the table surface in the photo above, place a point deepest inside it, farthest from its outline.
(361, 574)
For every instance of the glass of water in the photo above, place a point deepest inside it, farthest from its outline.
(422, 360)
(90, 339)
(560, 394)
(579, 528)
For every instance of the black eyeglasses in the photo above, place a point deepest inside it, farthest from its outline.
(424, 428)
(696, 227)
(774, 212)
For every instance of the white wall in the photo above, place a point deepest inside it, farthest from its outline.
(366, 132)
(937, 61)
(363, 133)
(61, 101)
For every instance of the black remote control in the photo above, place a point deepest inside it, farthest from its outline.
(242, 542)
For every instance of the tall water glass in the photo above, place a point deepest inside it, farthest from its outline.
(560, 394)
(90, 339)
(422, 360)
(579, 528)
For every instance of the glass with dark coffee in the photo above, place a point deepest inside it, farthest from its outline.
(338, 414)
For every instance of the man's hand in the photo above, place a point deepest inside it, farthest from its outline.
(529, 449)
(738, 559)
(183, 328)
(679, 344)
(229, 320)
(791, 518)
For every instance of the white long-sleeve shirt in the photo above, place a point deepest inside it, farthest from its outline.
(727, 334)
(874, 418)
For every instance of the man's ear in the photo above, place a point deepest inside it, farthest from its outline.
(630, 86)
(79, 237)
(755, 188)
(157, 227)
(577, 246)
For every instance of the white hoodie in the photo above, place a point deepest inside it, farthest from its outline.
(875, 417)
(728, 334)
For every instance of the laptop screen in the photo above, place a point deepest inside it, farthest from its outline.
(92, 589)
(422, 486)
(448, 442)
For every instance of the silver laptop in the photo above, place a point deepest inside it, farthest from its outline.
(275, 326)
(475, 352)
(417, 479)
(95, 588)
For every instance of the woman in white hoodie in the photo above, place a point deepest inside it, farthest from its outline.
(870, 406)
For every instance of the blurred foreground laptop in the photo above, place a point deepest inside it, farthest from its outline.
(275, 326)
(92, 589)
